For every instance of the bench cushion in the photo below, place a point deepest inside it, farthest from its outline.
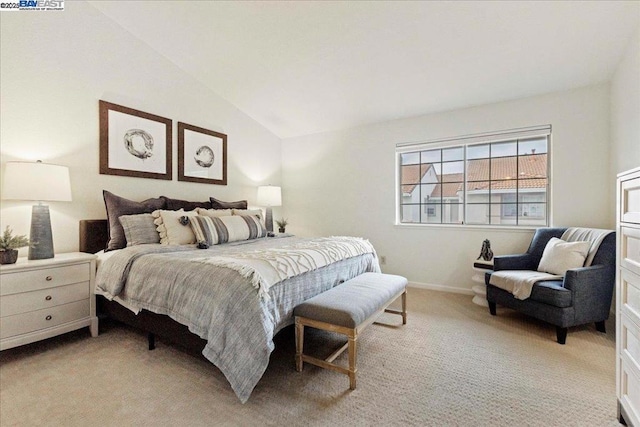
(354, 301)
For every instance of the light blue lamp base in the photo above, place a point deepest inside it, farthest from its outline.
(41, 238)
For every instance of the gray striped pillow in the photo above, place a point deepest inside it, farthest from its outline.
(213, 231)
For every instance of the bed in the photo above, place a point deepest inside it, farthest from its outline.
(222, 300)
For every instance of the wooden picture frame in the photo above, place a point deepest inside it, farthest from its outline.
(135, 143)
(202, 155)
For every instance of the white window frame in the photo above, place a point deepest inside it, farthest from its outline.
(466, 141)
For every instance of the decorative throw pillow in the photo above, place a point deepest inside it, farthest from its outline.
(213, 231)
(219, 204)
(214, 213)
(176, 204)
(139, 229)
(560, 256)
(117, 206)
(254, 212)
(170, 228)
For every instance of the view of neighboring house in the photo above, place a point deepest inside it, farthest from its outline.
(505, 190)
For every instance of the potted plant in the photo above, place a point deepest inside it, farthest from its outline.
(282, 223)
(9, 245)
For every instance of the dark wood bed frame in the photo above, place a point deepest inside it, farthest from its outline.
(93, 238)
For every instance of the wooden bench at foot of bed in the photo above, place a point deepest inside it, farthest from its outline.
(347, 309)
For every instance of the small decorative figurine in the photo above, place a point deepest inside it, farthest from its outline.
(486, 253)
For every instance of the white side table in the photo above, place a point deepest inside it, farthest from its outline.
(480, 267)
(43, 298)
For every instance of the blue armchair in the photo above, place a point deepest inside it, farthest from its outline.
(582, 296)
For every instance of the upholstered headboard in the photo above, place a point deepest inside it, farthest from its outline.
(94, 234)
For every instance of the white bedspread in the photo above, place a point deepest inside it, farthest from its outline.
(264, 268)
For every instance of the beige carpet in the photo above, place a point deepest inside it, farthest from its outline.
(452, 364)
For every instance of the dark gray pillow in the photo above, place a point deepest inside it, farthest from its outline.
(139, 229)
(177, 204)
(219, 204)
(116, 207)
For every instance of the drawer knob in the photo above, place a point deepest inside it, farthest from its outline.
(48, 297)
(48, 317)
(48, 278)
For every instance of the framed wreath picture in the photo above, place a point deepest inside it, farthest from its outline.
(134, 143)
(202, 155)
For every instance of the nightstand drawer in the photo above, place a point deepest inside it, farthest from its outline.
(13, 283)
(43, 298)
(41, 319)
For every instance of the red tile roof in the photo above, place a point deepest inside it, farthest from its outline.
(504, 171)
(451, 184)
(413, 174)
(532, 171)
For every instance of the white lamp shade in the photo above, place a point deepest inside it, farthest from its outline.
(269, 195)
(36, 181)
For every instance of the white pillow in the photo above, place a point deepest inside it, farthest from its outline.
(171, 231)
(214, 213)
(254, 212)
(560, 256)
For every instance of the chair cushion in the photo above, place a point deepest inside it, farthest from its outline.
(551, 292)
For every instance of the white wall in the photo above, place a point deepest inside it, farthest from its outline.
(625, 110)
(343, 182)
(55, 66)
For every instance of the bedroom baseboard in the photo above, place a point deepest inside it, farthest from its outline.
(440, 288)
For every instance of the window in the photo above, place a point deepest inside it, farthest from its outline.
(491, 179)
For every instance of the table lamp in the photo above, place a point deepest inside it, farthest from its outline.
(39, 182)
(269, 195)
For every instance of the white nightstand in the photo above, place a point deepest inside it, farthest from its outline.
(480, 267)
(43, 298)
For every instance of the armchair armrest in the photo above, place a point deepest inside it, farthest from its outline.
(585, 278)
(592, 290)
(514, 262)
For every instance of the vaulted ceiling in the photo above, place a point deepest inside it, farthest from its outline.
(301, 67)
